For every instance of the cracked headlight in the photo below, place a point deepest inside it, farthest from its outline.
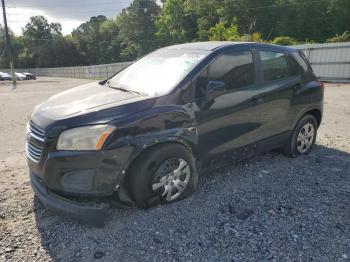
(84, 138)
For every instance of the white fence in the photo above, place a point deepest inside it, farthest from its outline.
(88, 72)
(331, 62)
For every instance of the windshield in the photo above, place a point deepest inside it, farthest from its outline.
(159, 72)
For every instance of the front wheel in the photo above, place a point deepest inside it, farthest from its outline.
(165, 173)
(303, 137)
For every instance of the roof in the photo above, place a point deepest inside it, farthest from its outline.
(214, 45)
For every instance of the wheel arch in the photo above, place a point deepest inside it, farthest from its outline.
(140, 150)
(315, 111)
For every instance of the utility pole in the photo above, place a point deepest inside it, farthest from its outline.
(9, 47)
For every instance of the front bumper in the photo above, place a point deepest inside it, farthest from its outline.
(84, 173)
(86, 213)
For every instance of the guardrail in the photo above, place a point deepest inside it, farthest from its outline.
(330, 62)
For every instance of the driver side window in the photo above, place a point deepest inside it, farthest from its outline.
(234, 68)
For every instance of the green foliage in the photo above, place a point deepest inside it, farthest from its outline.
(284, 40)
(206, 13)
(344, 37)
(221, 33)
(145, 26)
(176, 24)
(87, 38)
(137, 28)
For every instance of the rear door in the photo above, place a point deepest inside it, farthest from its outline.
(280, 79)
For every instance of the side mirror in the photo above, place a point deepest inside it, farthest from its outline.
(214, 89)
(102, 82)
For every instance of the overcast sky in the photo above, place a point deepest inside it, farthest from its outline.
(70, 13)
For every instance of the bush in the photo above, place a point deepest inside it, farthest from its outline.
(345, 37)
(220, 32)
(284, 40)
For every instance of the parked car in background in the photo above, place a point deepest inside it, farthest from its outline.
(146, 129)
(29, 76)
(5, 76)
(20, 76)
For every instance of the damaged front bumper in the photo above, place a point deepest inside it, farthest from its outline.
(94, 214)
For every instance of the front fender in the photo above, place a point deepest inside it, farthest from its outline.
(141, 143)
(162, 124)
(186, 136)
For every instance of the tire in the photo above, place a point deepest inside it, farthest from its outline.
(295, 146)
(148, 181)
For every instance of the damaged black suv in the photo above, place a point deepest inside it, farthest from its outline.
(143, 132)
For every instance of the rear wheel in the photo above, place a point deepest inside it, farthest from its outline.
(303, 137)
(165, 173)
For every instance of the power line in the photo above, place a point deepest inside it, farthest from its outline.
(266, 23)
(100, 12)
(69, 4)
(103, 11)
(126, 1)
(274, 23)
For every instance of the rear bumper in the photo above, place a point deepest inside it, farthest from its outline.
(90, 214)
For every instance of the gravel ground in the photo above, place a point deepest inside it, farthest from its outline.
(268, 208)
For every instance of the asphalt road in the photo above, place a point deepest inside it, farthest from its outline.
(268, 208)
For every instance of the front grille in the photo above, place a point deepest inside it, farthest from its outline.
(34, 146)
(36, 132)
(34, 152)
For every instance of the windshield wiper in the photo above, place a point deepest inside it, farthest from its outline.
(123, 89)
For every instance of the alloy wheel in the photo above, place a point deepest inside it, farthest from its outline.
(305, 138)
(171, 178)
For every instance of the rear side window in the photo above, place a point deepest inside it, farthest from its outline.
(302, 61)
(235, 68)
(277, 65)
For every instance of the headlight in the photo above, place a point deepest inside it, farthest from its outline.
(84, 138)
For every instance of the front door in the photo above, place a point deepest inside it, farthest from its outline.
(230, 120)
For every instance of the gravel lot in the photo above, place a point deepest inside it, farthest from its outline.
(268, 208)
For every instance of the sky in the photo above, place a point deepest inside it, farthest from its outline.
(69, 13)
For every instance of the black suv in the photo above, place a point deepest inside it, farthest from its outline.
(142, 134)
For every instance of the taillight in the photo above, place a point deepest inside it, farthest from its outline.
(321, 85)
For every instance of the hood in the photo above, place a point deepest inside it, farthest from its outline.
(88, 104)
(84, 99)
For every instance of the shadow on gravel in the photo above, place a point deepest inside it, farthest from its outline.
(267, 208)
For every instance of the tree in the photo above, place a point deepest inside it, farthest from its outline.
(221, 33)
(37, 39)
(207, 16)
(176, 24)
(16, 47)
(145, 26)
(43, 45)
(137, 30)
(87, 38)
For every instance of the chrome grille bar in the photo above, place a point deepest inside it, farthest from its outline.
(36, 130)
(34, 151)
